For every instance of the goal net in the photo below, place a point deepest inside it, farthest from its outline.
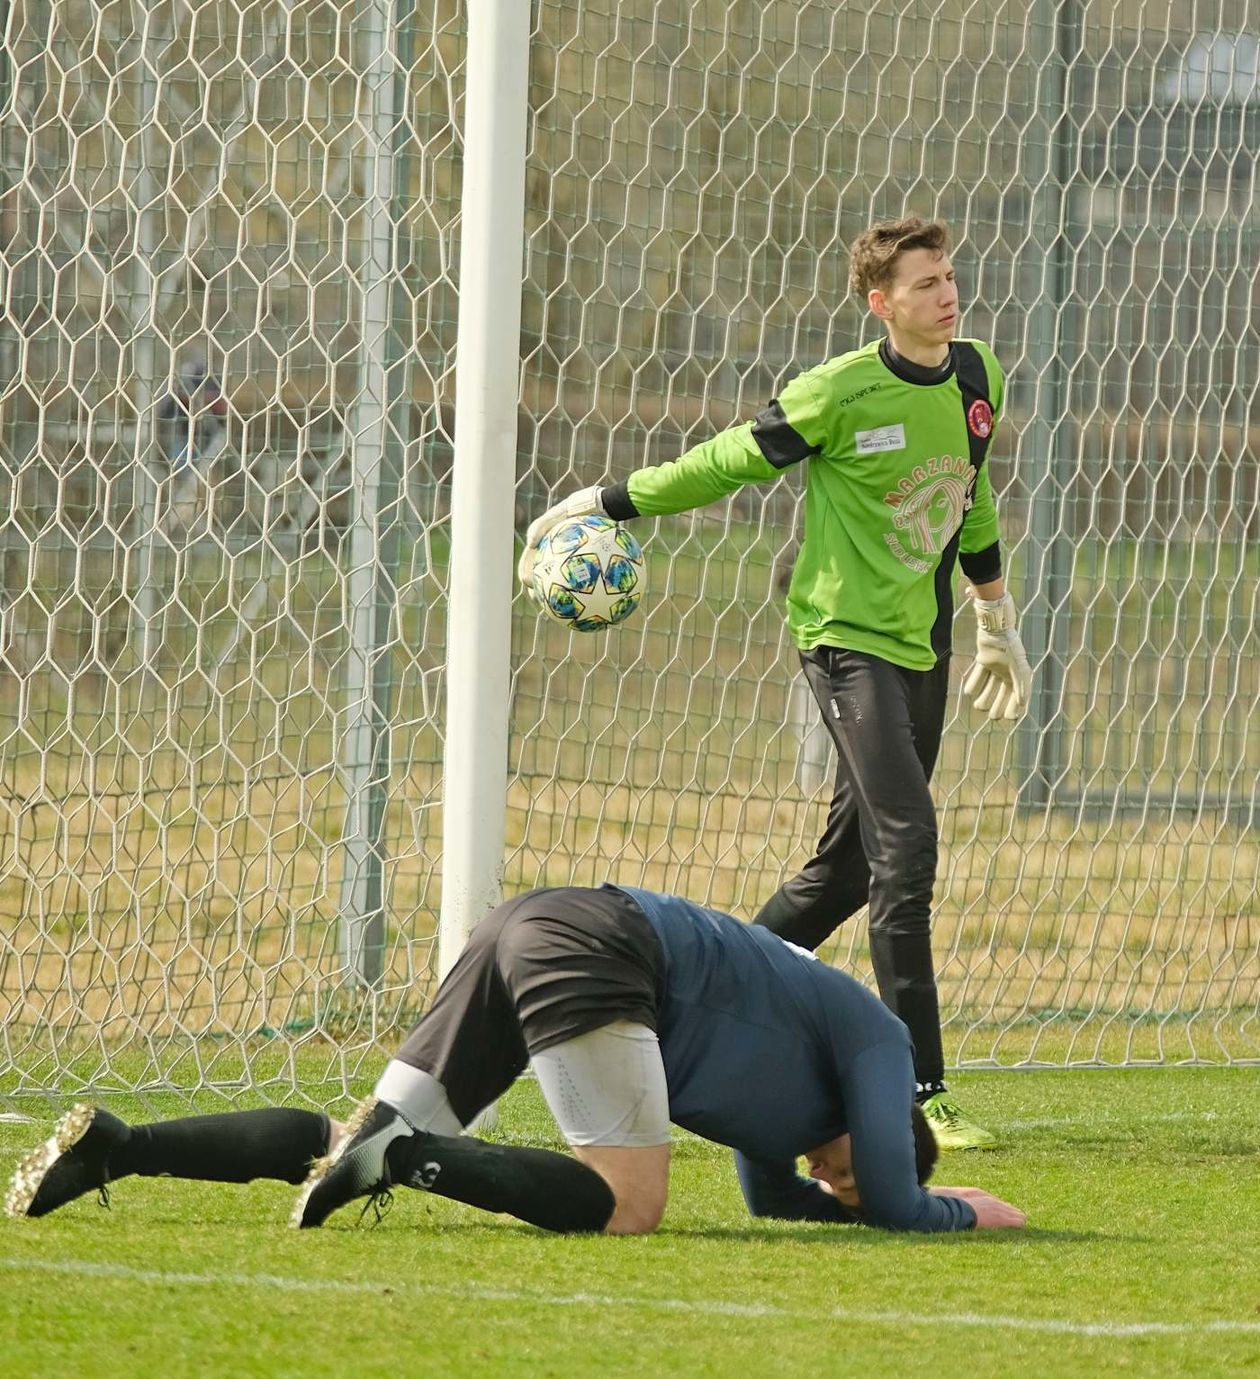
(228, 245)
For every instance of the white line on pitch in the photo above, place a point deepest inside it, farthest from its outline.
(699, 1307)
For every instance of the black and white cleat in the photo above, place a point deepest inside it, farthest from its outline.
(73, 1160)
(356, 1168)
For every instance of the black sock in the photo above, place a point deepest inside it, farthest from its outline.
(926, 1090)
(236, 1147)
(546, 1189)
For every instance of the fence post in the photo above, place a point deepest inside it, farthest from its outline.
(363, 754)
(1047, 573)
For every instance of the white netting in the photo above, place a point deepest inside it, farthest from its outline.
(226, 351)
(698, 171)
(228, 244)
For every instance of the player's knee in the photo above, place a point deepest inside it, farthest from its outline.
(918, 838)
(638, 1205)
(910, 857)
(808, 914)
(639, 1214)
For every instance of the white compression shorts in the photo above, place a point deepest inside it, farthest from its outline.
(607, 1087)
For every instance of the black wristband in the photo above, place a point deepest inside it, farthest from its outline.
(617, 502)
(981, 567)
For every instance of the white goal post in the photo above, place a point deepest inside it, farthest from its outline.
(247, 514)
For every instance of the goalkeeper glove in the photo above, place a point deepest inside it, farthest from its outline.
(1000, 681)
(579, 504)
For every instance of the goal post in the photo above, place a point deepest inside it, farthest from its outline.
(479, 636)
(311, 304)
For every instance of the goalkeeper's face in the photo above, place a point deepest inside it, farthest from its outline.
(920, 306)
(831, 1164)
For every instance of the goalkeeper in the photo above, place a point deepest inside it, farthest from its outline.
(636, 1009)
(897, 434)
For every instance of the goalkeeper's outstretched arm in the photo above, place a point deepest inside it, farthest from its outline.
(755, 452)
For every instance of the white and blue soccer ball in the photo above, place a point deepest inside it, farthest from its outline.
(589, 573)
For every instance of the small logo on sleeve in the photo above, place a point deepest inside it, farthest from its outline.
(980, 419)
(881, 438)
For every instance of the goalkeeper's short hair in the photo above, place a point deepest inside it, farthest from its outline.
(873, 255)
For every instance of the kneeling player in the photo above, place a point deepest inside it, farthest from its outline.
(635, 1009)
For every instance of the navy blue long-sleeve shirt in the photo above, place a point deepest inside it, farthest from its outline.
(774, 1053)
(775, 1188)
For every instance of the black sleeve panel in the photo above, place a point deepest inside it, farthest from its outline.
(778, 440)
(618, 503)
(982, 566)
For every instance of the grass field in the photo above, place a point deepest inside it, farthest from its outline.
(1142, 1257)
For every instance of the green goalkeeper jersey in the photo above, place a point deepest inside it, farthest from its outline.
(892, 497)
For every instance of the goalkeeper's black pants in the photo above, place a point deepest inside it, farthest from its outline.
(880, 842)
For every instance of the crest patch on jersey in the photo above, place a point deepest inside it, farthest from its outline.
(881, 438)
(980, 419)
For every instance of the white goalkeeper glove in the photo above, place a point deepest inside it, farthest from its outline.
(580, 504)
(1000, 681)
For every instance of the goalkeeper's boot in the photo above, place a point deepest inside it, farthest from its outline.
(356, 1168)
(72, 1161)
(951, 1128)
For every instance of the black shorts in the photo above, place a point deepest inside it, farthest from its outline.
(540, 969)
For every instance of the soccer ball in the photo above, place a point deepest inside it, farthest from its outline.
(589, 573)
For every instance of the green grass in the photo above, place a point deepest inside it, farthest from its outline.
(1142, 1188)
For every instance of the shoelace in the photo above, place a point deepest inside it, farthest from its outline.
(380, 1201)
(948, 1112)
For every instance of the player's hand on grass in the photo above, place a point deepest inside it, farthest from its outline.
(1000, 681)
(579, 504)
(991, 1212)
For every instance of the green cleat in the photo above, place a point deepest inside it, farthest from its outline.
(952, 1129)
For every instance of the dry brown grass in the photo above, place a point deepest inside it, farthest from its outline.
(128, 927)
(177, 875)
